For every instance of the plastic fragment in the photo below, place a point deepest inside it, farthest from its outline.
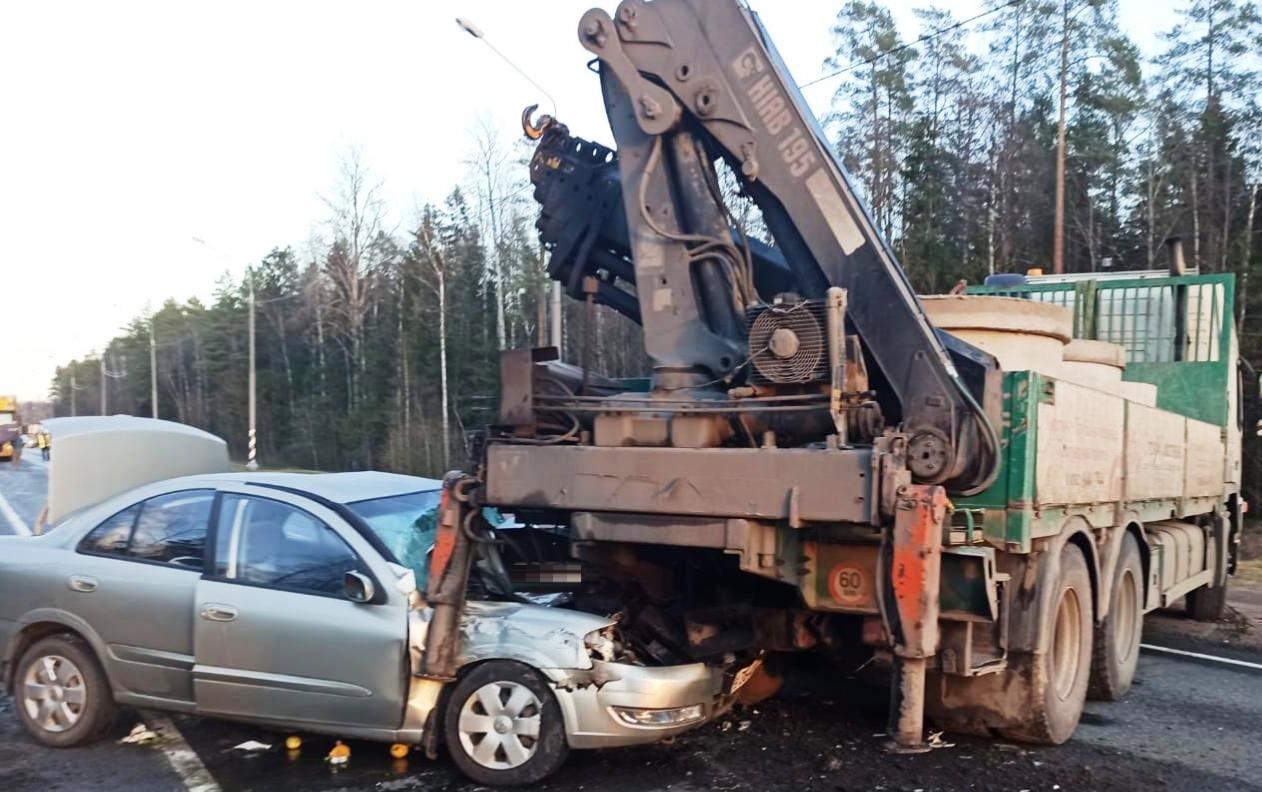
(140, 734)
(339, 754)
(250, 746)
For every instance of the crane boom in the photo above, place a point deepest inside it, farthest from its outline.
(687, 83)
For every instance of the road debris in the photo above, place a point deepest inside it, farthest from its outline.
(935, 741)
(140, 734)
(251, 746)
(293, 742)
(339, 754)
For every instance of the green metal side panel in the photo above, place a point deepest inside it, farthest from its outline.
(1190, 389)
(1192, 379)
(1006, 508)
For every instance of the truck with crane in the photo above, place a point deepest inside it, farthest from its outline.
(984, 492)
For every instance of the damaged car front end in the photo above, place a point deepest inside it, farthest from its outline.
(524, 683)
(606, 696)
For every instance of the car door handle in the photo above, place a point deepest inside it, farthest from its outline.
(82, 583)
(221, 613)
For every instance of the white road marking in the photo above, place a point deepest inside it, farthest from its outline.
(180, 756)
(1199, 656)
(19, 525)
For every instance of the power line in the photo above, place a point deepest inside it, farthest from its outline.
(910, 44)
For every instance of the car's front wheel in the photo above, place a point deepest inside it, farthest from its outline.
(503, 725)
(62, 695)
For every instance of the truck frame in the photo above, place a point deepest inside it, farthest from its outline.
(812, 464)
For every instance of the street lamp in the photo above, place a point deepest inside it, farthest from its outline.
(475, 31)
(251, 459)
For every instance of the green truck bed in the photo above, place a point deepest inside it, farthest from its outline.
(1070, 449)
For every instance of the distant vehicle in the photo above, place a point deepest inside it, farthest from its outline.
(9, 426)
(291, 600)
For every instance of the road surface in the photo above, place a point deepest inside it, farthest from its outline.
(1187, 725)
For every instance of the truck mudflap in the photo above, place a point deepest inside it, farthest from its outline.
(910, 606)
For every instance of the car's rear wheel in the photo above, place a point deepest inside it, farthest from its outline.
(62, 694)
(503, 725)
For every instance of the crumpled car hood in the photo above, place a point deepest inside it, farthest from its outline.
(542, 637)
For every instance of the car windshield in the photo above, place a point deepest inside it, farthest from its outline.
(406, 524)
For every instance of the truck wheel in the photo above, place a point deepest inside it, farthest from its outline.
(63, 697)
(1208, 603)
(503, 726)
(1117, 638)
(1060, 673)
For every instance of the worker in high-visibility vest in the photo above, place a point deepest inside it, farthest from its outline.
(44, 443)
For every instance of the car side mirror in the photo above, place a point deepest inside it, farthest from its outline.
(357, 587)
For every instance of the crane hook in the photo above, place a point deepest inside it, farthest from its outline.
(533, 131)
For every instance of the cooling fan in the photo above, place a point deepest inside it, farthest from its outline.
(788, 343)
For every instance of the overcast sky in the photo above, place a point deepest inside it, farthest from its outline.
(128, 128)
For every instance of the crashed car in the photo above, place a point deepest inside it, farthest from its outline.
(294, 601)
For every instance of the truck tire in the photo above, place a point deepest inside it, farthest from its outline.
(1058, 675)
(1208, 603)
(1116, 653)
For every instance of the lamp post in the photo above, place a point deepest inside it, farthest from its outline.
(475, 31)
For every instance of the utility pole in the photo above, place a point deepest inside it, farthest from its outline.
(104, 387)
(74, 386)
(153, 370)
(1058, 232)
(556, 318)
(252, 462)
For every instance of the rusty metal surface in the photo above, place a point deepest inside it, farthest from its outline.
(449, 578)
(806, 484)
(915, 570)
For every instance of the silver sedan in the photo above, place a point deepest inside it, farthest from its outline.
(292, 601)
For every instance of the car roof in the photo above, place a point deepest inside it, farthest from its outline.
(338, 487)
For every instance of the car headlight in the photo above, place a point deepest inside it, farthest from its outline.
(678, 716)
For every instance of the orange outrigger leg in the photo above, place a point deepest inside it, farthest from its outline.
(915, 568)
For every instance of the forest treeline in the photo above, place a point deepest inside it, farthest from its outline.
(377, 345)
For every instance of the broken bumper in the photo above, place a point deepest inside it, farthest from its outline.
(618, 704)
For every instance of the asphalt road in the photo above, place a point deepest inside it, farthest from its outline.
(1186, 725)
(23, 492)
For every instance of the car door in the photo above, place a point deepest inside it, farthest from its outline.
(275, 636)
(133, 579)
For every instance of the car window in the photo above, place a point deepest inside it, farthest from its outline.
(172, 528)
(111, 536)
(406, 524)
(270, 543)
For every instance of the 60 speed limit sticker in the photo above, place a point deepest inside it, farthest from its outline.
(848, 584)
